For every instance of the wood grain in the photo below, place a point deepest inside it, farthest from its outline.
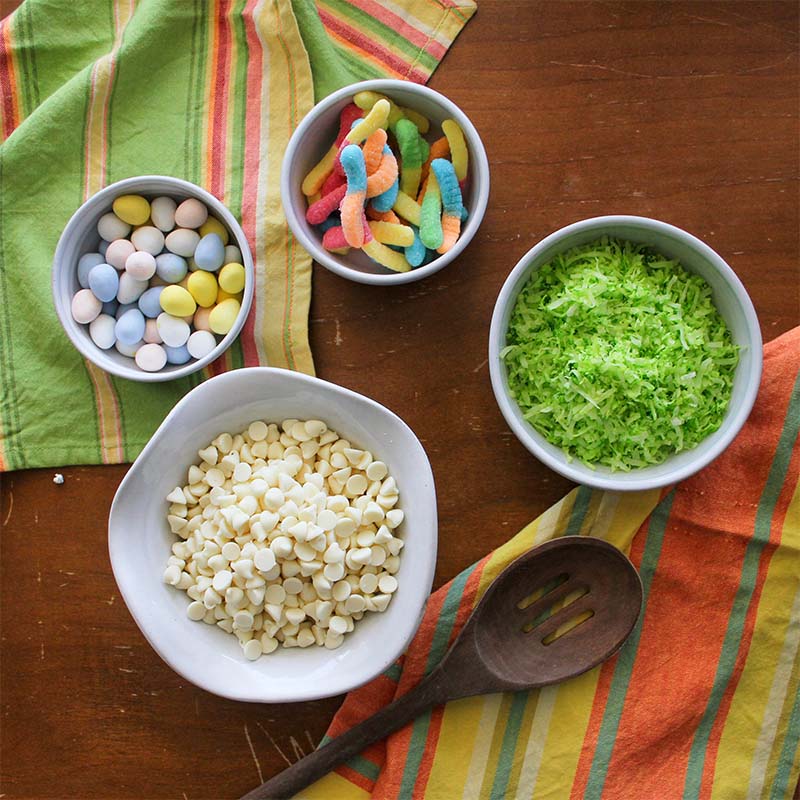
(683, 111)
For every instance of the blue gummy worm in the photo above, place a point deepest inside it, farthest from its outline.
(331, 222)
(448, 186)
(354, 168)
(386, 200)
(415, 253)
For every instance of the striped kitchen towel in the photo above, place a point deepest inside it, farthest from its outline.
(703, 701)
(92, 91)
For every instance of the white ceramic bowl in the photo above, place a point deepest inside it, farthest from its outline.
(80, 236)
(314, 136)
(731, 300)
(140, 540)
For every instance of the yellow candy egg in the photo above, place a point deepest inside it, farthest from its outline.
(231, 278)
(177, 301)
(223, 295)
(213, 225)
(201, 316)
(132, 208)
(202, 286)
(223, 316)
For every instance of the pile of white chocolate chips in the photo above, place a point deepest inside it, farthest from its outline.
(287, 536)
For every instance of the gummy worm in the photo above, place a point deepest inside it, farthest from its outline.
(381, 216)
(439, 149)
(322, 209)
(407, 208)
(451, 202)
(366, 100)
(416, 252)
(333, 238)
(352, 205)
(386, 256)
(391, 233)
(382, 179)
(385, 200)
(376, 118)
(316, 177)
(430, 226)
(408, 139)
(373, 150)
(458, 147)
(333, 181)
(422, 123)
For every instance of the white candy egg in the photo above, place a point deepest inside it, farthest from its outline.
(130, 288)
(148, 239)
(191, 213)
(173, 330)
(128, 349)
(101, 329)
(151, 357)
(85, 306)
(118, 252)
(141, 265)
(162, 212)
(182, 242)
(201, 343)
(233, 255)
(111, 227)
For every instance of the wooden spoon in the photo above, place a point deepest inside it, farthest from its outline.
(509, 643)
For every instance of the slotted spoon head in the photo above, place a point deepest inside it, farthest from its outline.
(516, 637)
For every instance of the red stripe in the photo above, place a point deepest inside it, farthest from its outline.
(10, 110)
(252, 152)
(689, 605)
(363, 42)
(401, 26)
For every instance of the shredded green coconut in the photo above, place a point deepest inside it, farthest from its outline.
(618, 355)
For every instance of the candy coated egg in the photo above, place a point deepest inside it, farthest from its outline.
(104, 282)
(182, 242)
(149, 239)
(102, 247)
(224, 315)
(151, 357)
(172, 330)
(203, 287)
(184, 283)
(209, 252)
(132, 208)
(192, 264)
(151, 334)
(85, 306)
(170, 268)
(177, 355)
(111, 227)
(141, 265)
(117, 253)
(110, 307)
(162, 212)
(233, 255)
(85, 264)
(223, 295)
(213, 225)
(128, 349)
(130, 326)
(200, 320)
(231, 278)
(101, 329)
(121, 309)
(201, 343)
(149, 303)
(177, 301)
(191, 213)
(130, 288)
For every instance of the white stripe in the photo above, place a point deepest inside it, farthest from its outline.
(435, 34)
(537, 738)
(775, 701)
(482, 746)
(262, 301)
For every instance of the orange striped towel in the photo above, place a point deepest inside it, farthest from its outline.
(703, 701)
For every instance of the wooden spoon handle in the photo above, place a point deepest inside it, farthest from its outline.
(349, 744)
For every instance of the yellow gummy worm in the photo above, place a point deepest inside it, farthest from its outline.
(366, 100)
(386, 256)
(376, 118)
(422, 123)
(408, 208)
(458, 147)
(312, 198)
(389, 233)
(314, 180)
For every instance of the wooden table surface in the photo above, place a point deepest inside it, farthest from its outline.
(687, 112)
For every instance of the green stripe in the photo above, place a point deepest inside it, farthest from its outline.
(627, 655)
(34, 67)
(784, 780)
(188, 131)
(22, 50)
(509, 746)
(744, 594)
(579, 509)
(383, 35)
(394, 672)
(364, 767)
(360, 70)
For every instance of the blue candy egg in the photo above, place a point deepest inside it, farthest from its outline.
(171, 268)
(210, 252)
(102, 247)
(150, 302)
(122, 308)
(110, 308)
(130, 327)
(86, 264)
(104, 282)
(177, 355)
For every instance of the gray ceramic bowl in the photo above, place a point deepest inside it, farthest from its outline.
(313, 137)
(80, 236)
(731, 300)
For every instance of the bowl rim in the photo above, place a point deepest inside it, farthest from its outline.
(478, 157)
(104, 197)
(577, 471)
(423, 578)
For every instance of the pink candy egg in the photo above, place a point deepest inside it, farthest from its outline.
(191, 213)
(85, 306)
(140, 264)
(118, 252)
(201, 319)
(151, 334)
